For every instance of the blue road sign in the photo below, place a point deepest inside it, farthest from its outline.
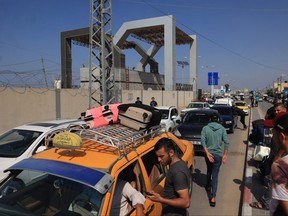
(212, 78)
(285, 91)
(215, 78)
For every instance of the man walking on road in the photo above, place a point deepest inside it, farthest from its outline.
(212, 136)
(242, 115)
(176, 198)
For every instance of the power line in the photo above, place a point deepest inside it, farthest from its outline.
(20, 63)
(216, 43)
(209, 7)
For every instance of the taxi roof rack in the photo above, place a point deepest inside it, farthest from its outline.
(117, 136)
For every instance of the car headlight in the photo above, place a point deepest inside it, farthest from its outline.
(196, 142)
(228, 122)
(177, 133)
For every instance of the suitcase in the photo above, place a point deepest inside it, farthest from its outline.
(102, 115)
(135, 117)
(138, 116)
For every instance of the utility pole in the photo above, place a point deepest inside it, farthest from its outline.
(182, 64)
(44, 72)
(101, 73)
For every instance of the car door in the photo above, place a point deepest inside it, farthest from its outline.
(154, 178)
(174, 117)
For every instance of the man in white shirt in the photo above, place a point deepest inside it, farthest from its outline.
(125, 193)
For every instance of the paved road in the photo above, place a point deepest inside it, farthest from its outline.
(230, 180)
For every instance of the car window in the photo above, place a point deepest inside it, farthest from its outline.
(196, 118)
(14, 142)
(195, 105)
(134, 176)
(155, 171)
(45, 194)
(164, 113)
(174, 112)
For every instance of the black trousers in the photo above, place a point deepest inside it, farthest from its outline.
(242, 120)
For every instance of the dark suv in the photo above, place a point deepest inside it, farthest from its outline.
(229, 120)
(191, 126)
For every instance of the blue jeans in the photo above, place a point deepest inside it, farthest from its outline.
(212, 174)
(265, 199)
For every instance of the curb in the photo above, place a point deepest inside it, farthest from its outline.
(247, 195)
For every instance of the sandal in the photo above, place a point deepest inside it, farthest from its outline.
(258, 205)
(212, 204)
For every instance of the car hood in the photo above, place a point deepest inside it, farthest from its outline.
(226, 117)
(243, 107)
(190, 130)
(189, 109)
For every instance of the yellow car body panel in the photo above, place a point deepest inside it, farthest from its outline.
(97, 156)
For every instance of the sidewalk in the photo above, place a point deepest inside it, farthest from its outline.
(253, 187)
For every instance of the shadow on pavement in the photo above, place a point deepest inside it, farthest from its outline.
(199, 178)
(240, 183)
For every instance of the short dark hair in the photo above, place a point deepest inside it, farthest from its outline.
(270, 113)
(279, 105)
(214, 117)
(281, 122)
(165, 143)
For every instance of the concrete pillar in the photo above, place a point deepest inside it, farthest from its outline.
(170, 53)
(193, 65)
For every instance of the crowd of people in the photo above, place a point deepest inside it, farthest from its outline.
(176, 199)
(274, 168)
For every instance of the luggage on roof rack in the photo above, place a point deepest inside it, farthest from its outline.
(115, 138)
(138, 116)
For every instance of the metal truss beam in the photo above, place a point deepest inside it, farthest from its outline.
(101, 83)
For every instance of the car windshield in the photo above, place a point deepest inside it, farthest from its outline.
(14, 142)
(195, 105)
(196, 118)
(38, 193)
(164, 113)
(240, 104)
(223, 110)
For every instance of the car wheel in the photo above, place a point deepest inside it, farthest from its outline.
(231, 130)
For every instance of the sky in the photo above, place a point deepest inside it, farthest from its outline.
(245, 41)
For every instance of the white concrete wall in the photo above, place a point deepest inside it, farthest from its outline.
(23, 105)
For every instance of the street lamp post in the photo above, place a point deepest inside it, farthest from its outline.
(182, 64)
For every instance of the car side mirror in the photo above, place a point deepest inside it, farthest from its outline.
(173, 117)
(40, 149)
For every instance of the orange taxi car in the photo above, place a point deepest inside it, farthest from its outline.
(106, 154)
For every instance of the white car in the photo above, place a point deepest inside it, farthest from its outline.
(24, 141)
(169, 117)
(224, 101)
(195, 105)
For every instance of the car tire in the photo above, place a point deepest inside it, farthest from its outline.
(231, 130)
